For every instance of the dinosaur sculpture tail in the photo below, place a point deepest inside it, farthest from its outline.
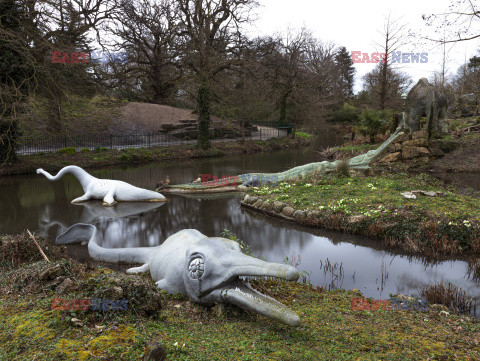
(87, 233)
(83, 177)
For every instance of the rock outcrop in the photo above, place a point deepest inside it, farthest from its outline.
(415, 146)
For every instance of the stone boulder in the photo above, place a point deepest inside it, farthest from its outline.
(414, 152)
(258, 203)
(288, 211)
(417, 142)
(299, 215)
(278, 206)
(392, 157)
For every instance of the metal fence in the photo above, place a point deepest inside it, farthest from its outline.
(114, 141)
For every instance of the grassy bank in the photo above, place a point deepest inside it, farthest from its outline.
(330, 329)
(103, 157)
(466, 158)
(375, 207)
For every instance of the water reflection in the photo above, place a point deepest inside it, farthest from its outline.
(38, 204)
(95, 212)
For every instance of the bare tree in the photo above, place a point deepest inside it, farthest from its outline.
(397, 83)
(295, 84)
(243, 91)
(462, 18)
(148, 31)
(212, 29)
(16, 74)
(393, 34)
(467, 79)
(322, 86)
(285, 66)
(440, 77)
(63, 26)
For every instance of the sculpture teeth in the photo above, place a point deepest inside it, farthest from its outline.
(249, 278)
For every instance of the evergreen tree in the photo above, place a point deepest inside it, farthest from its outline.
(14, 75)
(12, 43)
(346, 70)
(474, 63)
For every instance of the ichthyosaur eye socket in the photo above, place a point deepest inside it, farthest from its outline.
(195, 268)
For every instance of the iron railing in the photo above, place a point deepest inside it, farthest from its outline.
(29, 145)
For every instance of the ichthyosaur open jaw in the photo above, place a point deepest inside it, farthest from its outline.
(208, 270)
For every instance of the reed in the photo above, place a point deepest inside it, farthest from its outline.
(450, 295)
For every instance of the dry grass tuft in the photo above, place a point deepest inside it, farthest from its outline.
(342, 168)
(450, 295)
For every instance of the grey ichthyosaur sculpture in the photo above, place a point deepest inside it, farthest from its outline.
(208, 270)
(108, 190)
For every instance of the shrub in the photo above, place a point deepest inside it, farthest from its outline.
(342, 168)
(99, 149)
(302, 135)
(128, 150)
(84, 150)
(347, 113)
(373, 122)
(67, 150)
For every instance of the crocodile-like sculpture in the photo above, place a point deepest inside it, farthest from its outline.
(107, 189)
(208, 270)
(236, 183)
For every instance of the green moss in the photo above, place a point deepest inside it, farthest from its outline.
(302, 135)
(71, 349)
(433, 222)
(67, 150)
(330, 330)
(114, 343)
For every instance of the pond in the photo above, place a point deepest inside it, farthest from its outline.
(324, 258)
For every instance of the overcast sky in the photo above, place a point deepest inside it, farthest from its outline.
(356, 25)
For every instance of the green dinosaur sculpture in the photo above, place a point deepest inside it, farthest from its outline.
(236, 183)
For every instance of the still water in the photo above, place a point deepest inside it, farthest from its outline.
(325, 258)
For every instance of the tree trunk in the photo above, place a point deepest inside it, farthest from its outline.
(383, 86)
(55, 114)
(244, 101)
(8, 141)
(203, 108)
(283, 109)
